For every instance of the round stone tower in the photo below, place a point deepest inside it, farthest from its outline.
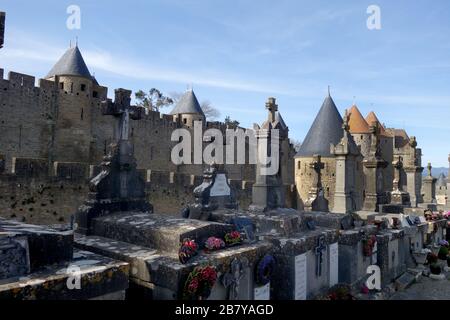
(76, 89)
(188, 110)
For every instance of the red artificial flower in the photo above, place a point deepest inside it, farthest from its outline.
(209, 274)
(193, 286)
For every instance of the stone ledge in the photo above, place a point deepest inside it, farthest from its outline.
(99, 276)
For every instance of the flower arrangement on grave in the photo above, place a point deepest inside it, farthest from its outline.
(213, 244)
(340, 292)
(368, 245)
(233, 238)
(199, 283)
(187, 250)
(265, 269)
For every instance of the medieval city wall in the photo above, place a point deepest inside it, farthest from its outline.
(61, 120)
(35, 193)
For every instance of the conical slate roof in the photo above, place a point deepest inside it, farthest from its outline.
(70, 64)
(441, 181)
(356, 121)
(371, 118)
(188, 103)
(325, 130)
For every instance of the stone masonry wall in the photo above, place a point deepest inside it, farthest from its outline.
(29, 194)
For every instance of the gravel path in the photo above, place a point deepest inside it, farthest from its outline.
(426, 289)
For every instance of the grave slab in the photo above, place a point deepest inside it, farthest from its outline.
(99, 276)
(156, 231)
(46, 245)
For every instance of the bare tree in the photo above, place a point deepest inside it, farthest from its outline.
(211, 113)
(297, 144)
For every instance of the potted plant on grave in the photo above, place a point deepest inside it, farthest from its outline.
(199, 283)
(213, 244)
(233, 238)
(443, 250)
(432, 260)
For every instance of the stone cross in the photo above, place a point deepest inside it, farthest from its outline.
(321, 247)
(232, 279)
(272, 107)
(398, 165)
(123, 111)
(317, 165)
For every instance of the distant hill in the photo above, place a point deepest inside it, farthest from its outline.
(436, 171)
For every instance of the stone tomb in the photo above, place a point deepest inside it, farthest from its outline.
(353, 260)
(391, 254)
(307, 264)
(41, 261)
(150, 243)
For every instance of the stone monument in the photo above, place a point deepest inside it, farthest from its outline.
(346, 157)
(429, 187)
(267, 190)
(398, 196)
(373, 168)
(119, 186)
(214, 193)
(413, 172)
(316, 197)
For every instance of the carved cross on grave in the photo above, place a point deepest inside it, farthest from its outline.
(398, 165)
(321, 247)
(231, 280)
(122, 111)
(317, 165)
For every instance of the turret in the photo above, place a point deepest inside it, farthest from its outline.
(188, 110)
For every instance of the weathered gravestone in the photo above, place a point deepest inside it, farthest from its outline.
(213, 194)
(119, 186)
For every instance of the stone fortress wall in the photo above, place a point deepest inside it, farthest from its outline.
(35, 193)
(54, 135)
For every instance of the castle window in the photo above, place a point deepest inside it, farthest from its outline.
(95, 94)
(83, 87)
(71, 87)
(82, 112)
(184, 120)
(61, 85)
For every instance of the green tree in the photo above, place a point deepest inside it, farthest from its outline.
(153, 100)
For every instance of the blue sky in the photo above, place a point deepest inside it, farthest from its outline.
(238, 53)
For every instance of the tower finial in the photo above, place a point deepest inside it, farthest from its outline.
(329, 91)
(70, 43)
(354, 100)
(76, 41)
